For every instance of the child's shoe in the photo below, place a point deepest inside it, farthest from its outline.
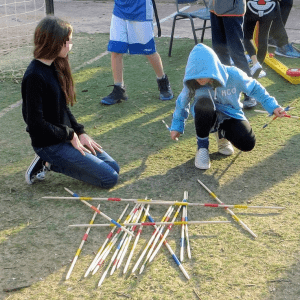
(249, 102)
(224, 146)
(287, 51)
(202, 160)
(255, 70)
(262, 74)
(164, 88)
(117, 95)
(36, 170)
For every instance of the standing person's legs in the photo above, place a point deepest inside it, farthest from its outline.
(118, 45)
(239, 133)
(235, 37)
(219, 41)
(100, 170)
(156, 64)
(248, 28)
(117, 68)
(277, 31)
(263, 36)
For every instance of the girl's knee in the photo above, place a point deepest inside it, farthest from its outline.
(248, 145)
(110, 181)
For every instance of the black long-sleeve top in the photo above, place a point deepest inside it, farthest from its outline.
(48, 118)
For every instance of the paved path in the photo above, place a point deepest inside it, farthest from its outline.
(94, 16)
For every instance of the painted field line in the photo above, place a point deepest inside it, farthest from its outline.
(10, 107)
(91, 61)
(172, 15)
(17, 104)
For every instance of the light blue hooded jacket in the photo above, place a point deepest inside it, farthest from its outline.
(204, 63)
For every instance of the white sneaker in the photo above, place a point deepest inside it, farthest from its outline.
(262, 74)
(224, 146)
(255, 70)
(202, 160)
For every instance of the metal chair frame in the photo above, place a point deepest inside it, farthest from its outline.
(202, 13)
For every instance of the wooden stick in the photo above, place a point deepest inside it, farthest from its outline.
(100, 212)
(162, 202)
(229, 211)
(81, 245)
(153, 223)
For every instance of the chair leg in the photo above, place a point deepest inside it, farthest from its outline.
(193, 29)
(172, 36)
(203, 31)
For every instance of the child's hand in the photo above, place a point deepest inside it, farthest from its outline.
(279, 112)
(89, 143)
(174, 135)
(78, 145)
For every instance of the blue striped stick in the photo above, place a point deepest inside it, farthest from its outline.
(187, 234)
(136, 240)
(110, 245)
(158, 235)
(185, 197)
(118, 249)
(172, 253)
(127, 240)
(102, 214)
(165, 234)
(150, 241)
(109, 236)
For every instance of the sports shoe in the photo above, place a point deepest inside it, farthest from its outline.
(165, 88)
(272, 42)
(224, 146)
(249, 102)
(255, 70)
(202, 160)
(287, 51)
(249, 60)
(36, 170)
(262, 74)
(117, 95)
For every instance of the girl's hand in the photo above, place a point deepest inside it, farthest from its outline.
(78, 145)
(89, 143)
(279, 112)
(174, 135)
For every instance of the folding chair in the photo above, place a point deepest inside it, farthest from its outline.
(202, 13)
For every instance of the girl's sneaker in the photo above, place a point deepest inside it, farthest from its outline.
(255, 70)
(262, 74)
(202, 160)
(36, 170)
(224, 146)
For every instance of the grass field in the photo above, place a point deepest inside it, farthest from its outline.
(36, 244)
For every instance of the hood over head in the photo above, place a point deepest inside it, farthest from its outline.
(203, 62)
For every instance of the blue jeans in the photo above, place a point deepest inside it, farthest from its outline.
(100, 170)
(227, 41)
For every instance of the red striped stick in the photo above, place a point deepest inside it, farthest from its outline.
(81, 245)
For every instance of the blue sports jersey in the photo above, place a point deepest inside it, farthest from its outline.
(134, 10)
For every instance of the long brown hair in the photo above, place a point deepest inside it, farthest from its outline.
(50, 36)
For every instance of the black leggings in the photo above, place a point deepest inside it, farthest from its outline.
(238, 132)
(264, 28)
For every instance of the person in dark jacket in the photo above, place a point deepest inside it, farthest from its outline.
(60, 143)
(226, 18)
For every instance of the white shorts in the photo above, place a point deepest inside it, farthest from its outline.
(131, 37)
